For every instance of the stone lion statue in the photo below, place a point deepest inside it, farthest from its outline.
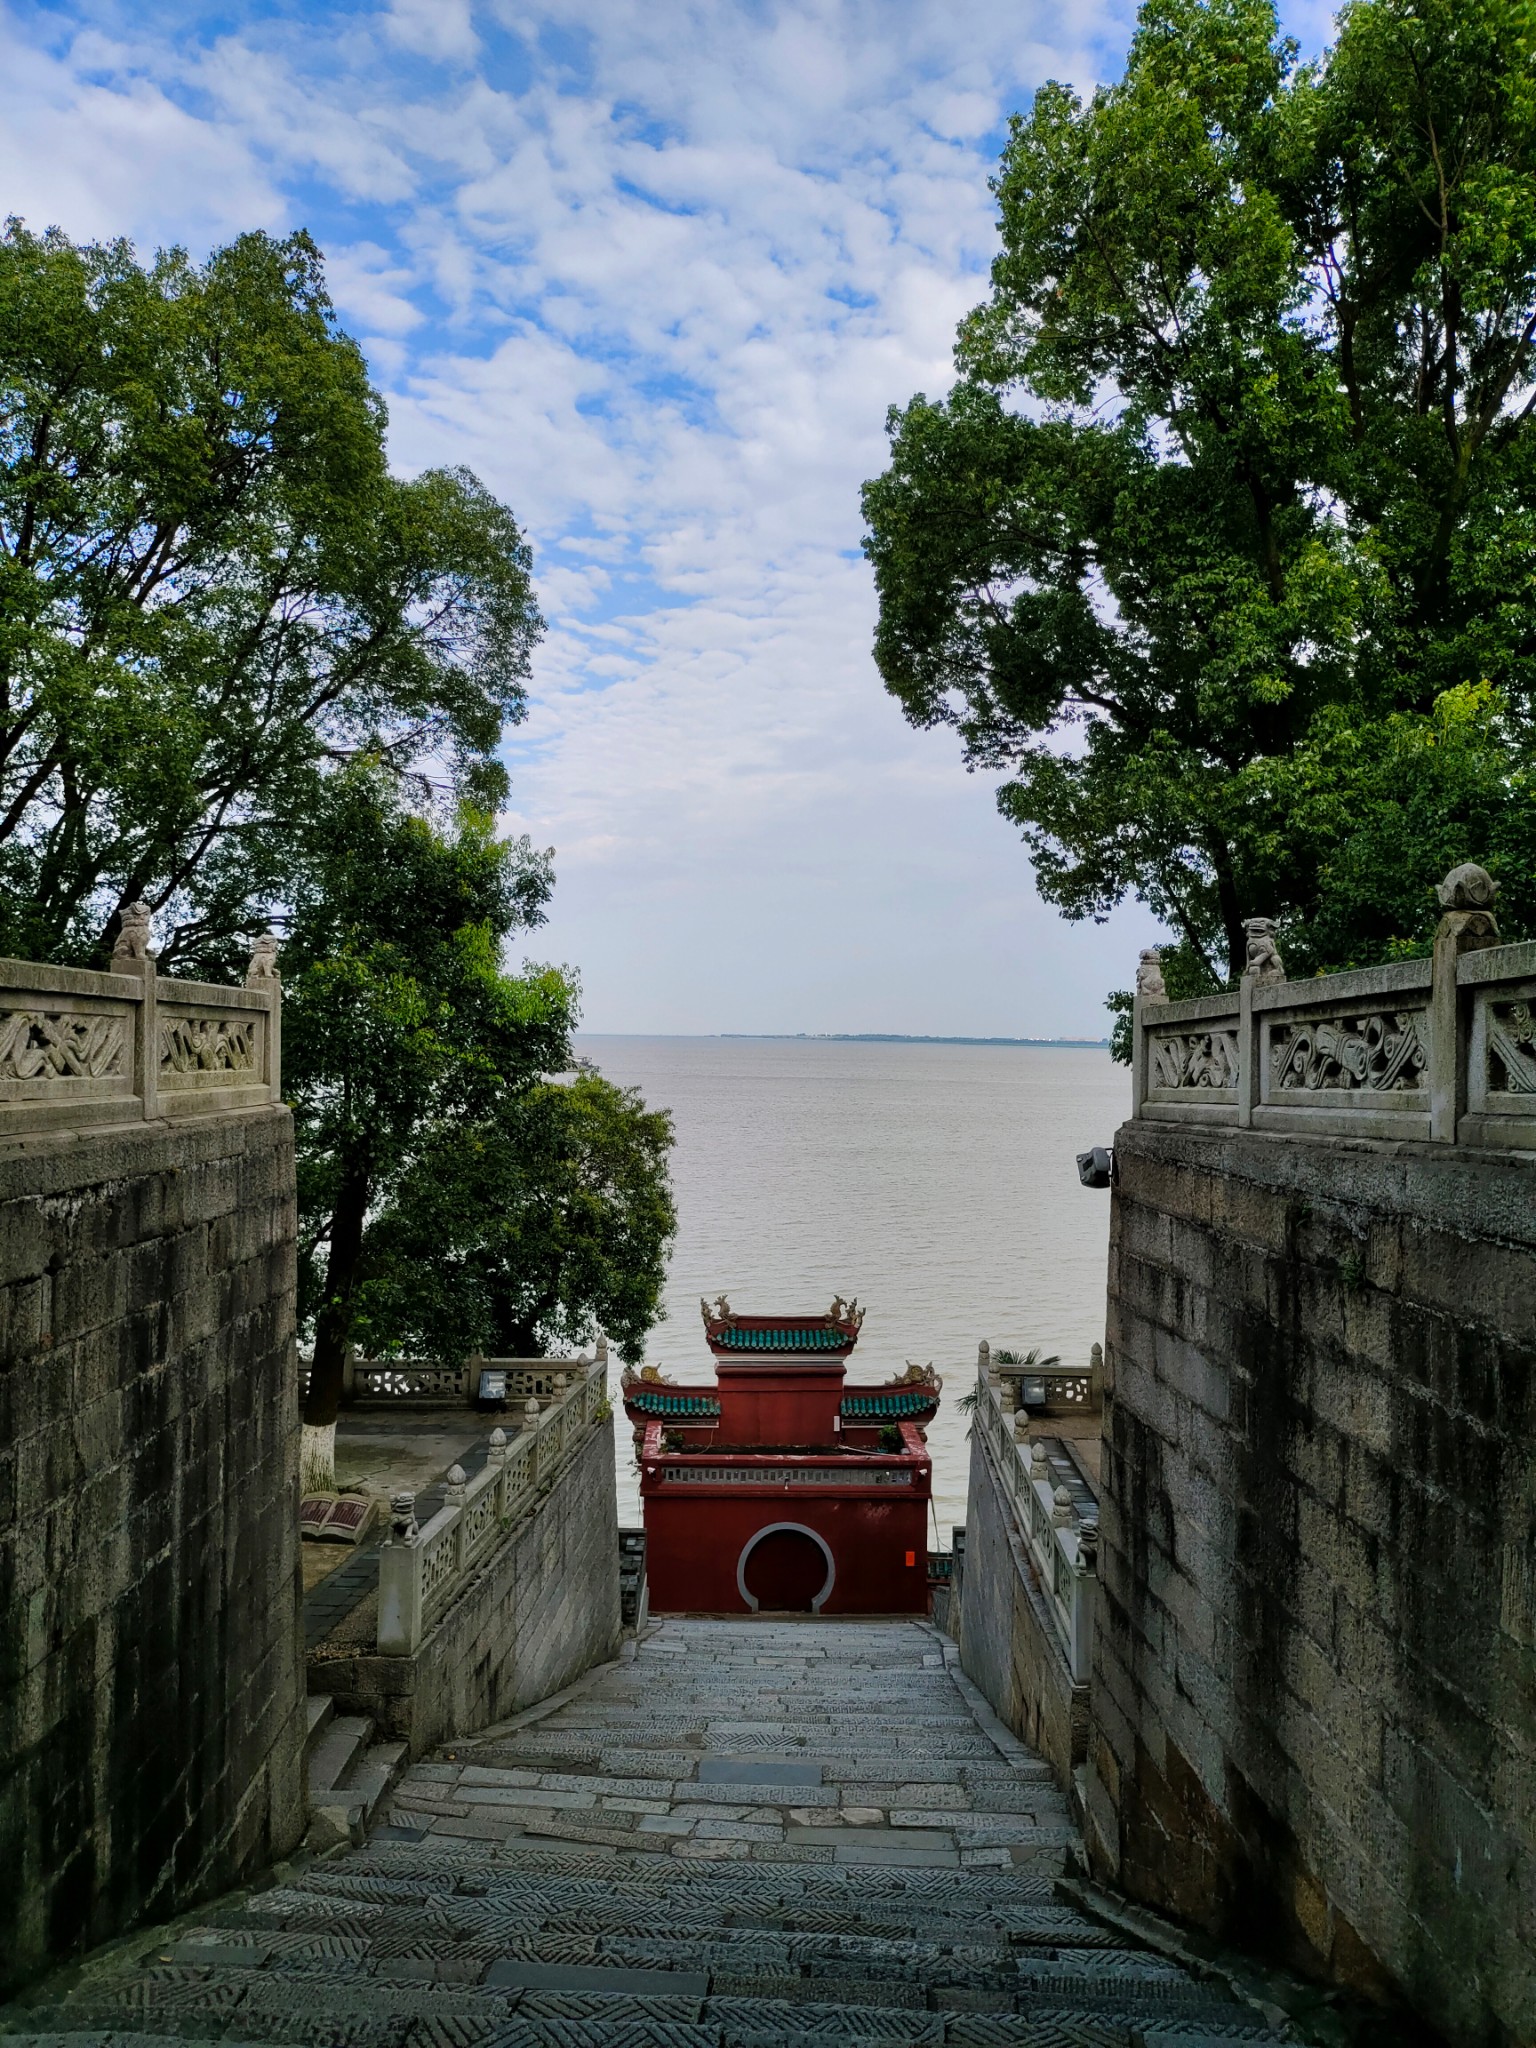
(1467, 897)
(263, 965)
(1264, 965)
(133, 935)
(1150, 987)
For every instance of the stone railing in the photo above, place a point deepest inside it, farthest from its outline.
(1440, 1050)
(1038, 1389)
(427, 1383)
(421, 1568)
(1061, 1547)
(80, 1049)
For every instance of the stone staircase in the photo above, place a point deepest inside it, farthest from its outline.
(762, 1834)
(348, 1773)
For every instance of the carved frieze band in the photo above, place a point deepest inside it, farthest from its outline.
(53, 1045)
(1383, 1051)
(207, 1045)
(1512, 1048)
(1195, 1059)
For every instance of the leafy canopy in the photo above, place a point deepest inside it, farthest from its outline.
(399, 1022)
(1221, 547)
(212, 590)
(528, 1229)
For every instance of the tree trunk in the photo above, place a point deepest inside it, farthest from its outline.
(333, 1331)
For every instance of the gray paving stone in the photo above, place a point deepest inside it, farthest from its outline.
(733, 1770)
(513, 1974)
(621, 1874)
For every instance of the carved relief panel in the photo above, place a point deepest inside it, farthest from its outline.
(1194, 1060)
(1382, 1051)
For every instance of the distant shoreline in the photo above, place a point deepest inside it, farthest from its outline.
(915, 1038)
(852, 1038)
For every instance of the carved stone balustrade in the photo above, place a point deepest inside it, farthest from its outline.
(420, 1570)
(1440, 1050)
(1056, 1533)
(81, 1049)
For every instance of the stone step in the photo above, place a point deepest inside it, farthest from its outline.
(372, 1775)
(334, 1754)
(319, 1711)
(697, 1852)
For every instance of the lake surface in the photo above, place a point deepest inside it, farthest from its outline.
(938, 1183)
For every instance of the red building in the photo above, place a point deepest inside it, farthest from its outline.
(775, 1487)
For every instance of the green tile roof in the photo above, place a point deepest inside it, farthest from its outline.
(859, 1406)
(814, 1337)
(657, 1401)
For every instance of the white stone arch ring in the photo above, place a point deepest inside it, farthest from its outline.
(776, 1529)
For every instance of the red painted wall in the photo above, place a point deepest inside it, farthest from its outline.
(766, 1401)
(693, 1545)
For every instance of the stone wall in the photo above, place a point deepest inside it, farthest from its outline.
(1007, 1645)
(542, 1609)
(1314, 1686)
(151, 1709)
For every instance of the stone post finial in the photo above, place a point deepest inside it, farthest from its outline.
(1264, 966)
(1467, 897)
(1039, 1465)
(458, 1480)
(498, 1446)
(262, 971)
(602, 1350)
(132, 947)
(402, 1517)
(530, 1413)
(1150, 986)
(1061, 1511)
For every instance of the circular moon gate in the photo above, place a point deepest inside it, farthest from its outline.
(786, 1568)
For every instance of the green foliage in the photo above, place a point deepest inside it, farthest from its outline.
(398, 1021)
(211, 589)
(1032, 1356)
(528, 1228)
(1221, 547)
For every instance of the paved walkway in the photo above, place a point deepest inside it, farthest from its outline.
(751, 1835)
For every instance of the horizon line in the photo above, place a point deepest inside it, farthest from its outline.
(863, 1038)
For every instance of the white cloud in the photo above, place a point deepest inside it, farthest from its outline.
(656, 273)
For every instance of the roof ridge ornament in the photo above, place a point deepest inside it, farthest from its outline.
(648, 1375)
(720, 1316)
(845, 1315)
(921, 1376)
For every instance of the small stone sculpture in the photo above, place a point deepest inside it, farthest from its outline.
(133, 933)
(1150, 987)
(263, 966)
(845, 1314)
(1467, 897)
(1265, 967)
(402, 1516)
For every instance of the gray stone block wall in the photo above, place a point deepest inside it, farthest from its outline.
(1007, 1646)
(542, 1609)
(1314, 1689)
(151, 1707)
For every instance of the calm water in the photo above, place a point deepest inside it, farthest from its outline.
(938, 1183)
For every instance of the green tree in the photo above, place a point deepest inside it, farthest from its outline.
(529, 1229)
(212, 589)
(1227, 523)
(398, 1022)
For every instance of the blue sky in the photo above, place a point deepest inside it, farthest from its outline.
(655, 271)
